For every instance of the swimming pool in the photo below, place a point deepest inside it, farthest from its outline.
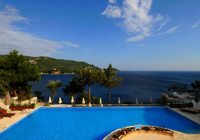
(92, 123)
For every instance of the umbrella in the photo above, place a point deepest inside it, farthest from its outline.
(136, 101)
(83, 101)
(89, 105)
(72, 100)
(7, 99)
(118, 100)
(50, 100)
(60, 100)
(100, 101)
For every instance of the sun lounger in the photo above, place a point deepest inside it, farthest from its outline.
(190, 110)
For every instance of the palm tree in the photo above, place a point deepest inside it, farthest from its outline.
(109, 79)
(53, 85)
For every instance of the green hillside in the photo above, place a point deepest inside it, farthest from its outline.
(48, 64)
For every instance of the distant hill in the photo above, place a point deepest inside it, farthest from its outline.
(56, 66)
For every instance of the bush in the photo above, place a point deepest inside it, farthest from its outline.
(33, 104)
(12, 104)
(94, 100)
(38, 94)
(46, 104)
(146, 128)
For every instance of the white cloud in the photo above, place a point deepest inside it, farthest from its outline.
(170, 31)
(135, 17)
(11, 37)
(70, 44)
(195, 24)
(162, 24)
(138, 37)
(141, 45)
(112, 11)
(112, 1)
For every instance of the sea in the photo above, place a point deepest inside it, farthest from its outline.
(136, 84)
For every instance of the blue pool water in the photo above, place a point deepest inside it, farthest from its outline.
(92, 123)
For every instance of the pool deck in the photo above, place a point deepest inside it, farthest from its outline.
(6, 121)
(193, 117)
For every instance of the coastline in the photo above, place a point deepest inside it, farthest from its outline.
(57, 74)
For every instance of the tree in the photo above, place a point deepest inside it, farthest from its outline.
(87, 77)
(196, 85)
(74, 87)
(94, 100)
(109, 79)
(20, 72)
(174, 87)
(4, 82)
(52, 86)
(196, 88)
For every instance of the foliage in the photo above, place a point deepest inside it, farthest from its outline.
(48, 64)
(197, 97)
(12, 104)
(109, 79)
(38, 94)
(46, 104)
(33, 104)
(73, 87)
(85, 95)
(158, 100)
(4, 82)
(52, 86)
(196, 88)
(196, 85)
(146, 128)
(20, 72)
(178, 88)
(87, 77)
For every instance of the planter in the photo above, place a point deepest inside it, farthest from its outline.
(13, 108)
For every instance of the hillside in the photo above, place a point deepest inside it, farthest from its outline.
(52, 65)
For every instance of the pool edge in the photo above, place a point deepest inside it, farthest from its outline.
(18, 121)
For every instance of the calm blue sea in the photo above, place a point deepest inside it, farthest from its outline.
(135, 84)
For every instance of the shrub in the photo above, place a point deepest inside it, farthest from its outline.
(46, 104)
(33, 104)
(12, 104)
(146, 128)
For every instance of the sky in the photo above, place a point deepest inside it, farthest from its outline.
(161, 35)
